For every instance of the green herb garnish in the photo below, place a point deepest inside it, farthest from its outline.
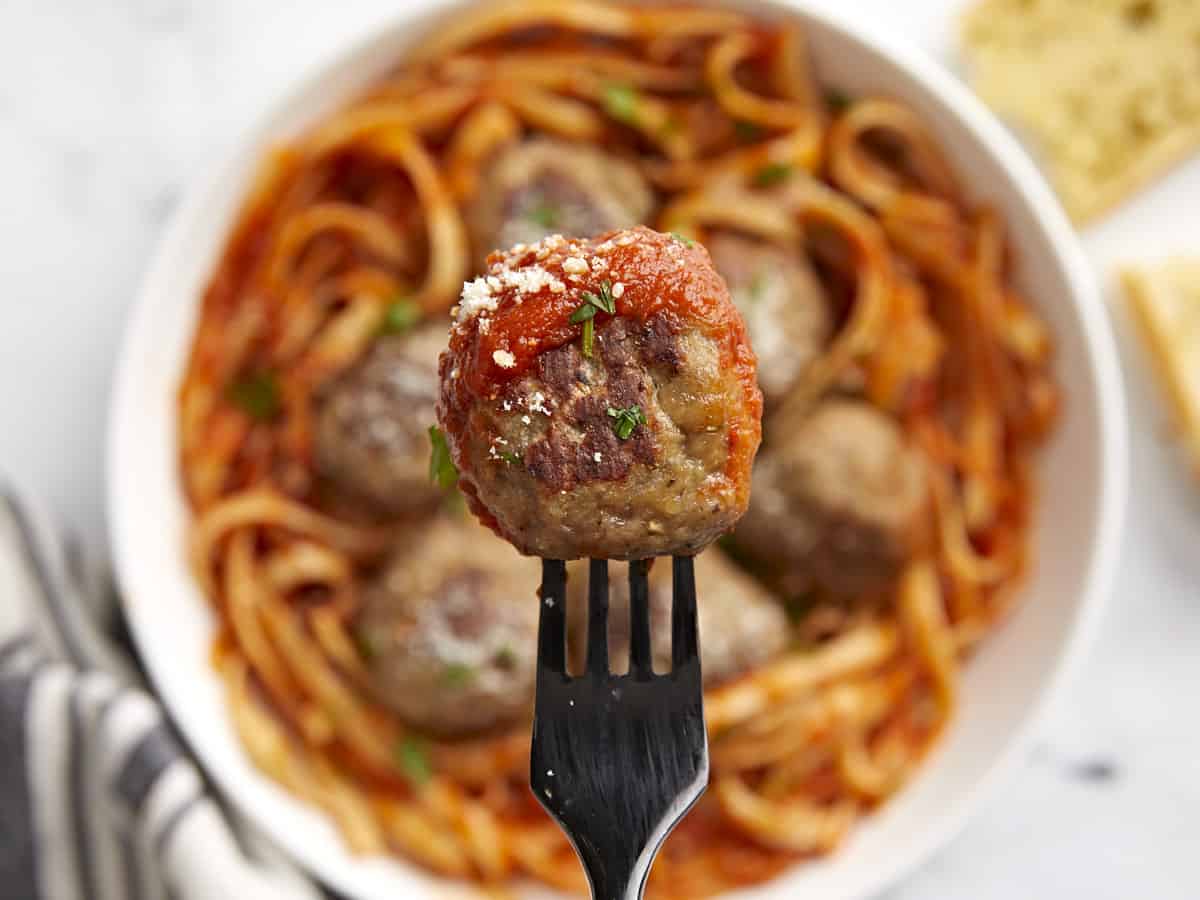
(588, 336)
(458, 674)
(413, 760)
(772, 173)
(683, 239)
(621, 102)
(603, 299)
(402, 314)
(837, 100)
(365, 643)
(600, 301)
(511, 458)
(799, 606)
(626, 420)
(506, 657)
(758, 286)
(544, 215)
(441, 466)
(257, 395)
(747, 131)
(586, 311)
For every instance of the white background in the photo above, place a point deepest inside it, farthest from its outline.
(109, 109)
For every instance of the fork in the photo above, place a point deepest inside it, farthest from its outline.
(618, 760)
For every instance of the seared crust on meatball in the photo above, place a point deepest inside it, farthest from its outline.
(840, 503)
(371, 439)
(788, 317)
(449, 628)
(741, 624)
(544, 186)
(640, 447)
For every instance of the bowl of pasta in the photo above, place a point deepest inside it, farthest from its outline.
(935, 509)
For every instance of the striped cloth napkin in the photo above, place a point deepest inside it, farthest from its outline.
(98, 798)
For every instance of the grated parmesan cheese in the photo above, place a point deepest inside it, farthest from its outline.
(476, 297)
(537, 403)
(504, 359)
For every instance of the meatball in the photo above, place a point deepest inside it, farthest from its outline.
(372, 424)
(599, 398)
(787, 314)
(545, 186)
(840, 503)
(741, 625)
(450, 632)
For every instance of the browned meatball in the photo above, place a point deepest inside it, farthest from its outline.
(544, 186)
(840, 502)
(787, 314)
(372, 438)
(450, 630)
(634, 441)
(741, 625)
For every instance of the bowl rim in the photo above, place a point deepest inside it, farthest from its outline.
(943, 89)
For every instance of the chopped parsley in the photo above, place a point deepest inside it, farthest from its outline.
(588, 336)
(257, 395)
(457, 675)
(758, 286)
(836, 100)
(441, 466)
(586, 311)
(544, 214)
(365, 643)
(799, 606)
(413, 760)
(772, 173)
(621, 102)
(506, 657)
(402, 314)
(509, 457)
(603, 299)
(600, 301)
(683, 239)
(626, 420)
(747, 131)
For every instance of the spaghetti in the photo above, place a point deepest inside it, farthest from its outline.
(720, 114)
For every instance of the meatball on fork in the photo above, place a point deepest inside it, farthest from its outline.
(600, 398)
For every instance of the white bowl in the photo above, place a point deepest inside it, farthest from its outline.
(1083, 477)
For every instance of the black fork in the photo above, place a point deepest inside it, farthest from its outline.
(618, 760)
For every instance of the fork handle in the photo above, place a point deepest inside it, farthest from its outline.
(613, 878)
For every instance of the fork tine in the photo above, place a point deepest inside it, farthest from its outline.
(597, 635)
(684, 641)
(640, 652)
(552, 621)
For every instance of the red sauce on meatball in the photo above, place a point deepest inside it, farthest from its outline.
(658, 273)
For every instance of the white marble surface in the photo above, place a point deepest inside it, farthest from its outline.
(108, 109)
